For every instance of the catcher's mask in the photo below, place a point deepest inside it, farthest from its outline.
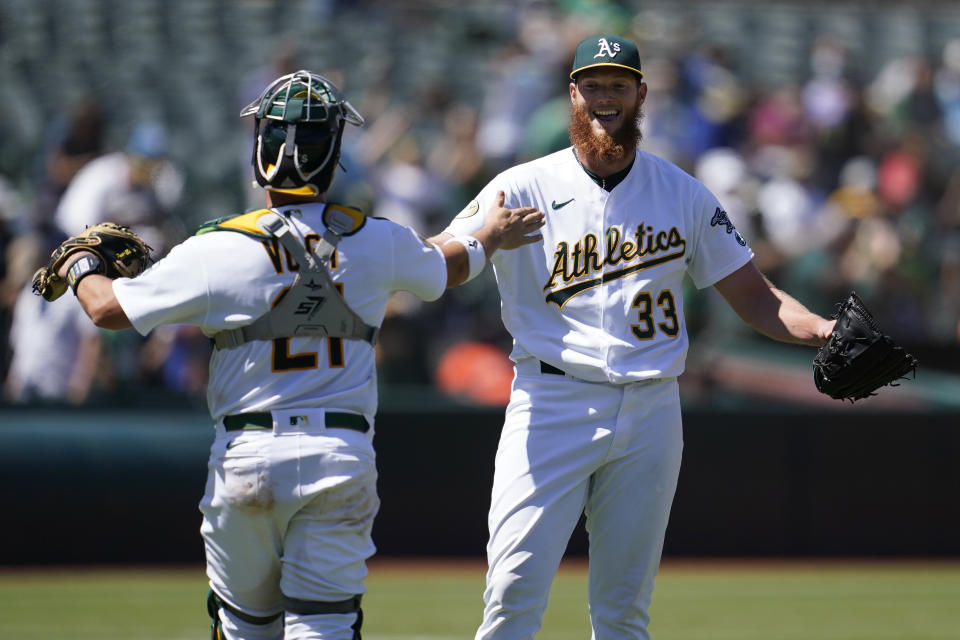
(299, 122)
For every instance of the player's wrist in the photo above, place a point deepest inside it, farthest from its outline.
(824, 330)
(81, 267)
(476, 254)
(65, 267)
(491, 237)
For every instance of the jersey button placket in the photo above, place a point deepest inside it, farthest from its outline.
(607, 296)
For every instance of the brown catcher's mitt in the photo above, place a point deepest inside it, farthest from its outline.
(122, 253)
(858, 358)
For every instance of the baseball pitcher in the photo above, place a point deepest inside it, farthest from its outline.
(596, 312)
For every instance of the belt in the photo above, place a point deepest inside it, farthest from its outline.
(549, 368)
(264, 420)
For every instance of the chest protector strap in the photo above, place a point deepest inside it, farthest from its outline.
(312, 307)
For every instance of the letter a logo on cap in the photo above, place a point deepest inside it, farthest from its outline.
(605, 49)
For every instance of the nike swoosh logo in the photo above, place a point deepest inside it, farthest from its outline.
(556, 205)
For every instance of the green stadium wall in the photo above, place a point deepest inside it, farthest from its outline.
(85, 486)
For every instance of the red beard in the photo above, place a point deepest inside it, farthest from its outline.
(603, 147)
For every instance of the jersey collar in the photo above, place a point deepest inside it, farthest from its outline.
(607, 182)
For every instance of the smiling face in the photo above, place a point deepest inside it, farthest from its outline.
(605, 113)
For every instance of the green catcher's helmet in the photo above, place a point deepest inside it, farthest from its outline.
(299, 122)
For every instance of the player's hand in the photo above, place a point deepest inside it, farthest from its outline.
(513, 228)
(824, 330)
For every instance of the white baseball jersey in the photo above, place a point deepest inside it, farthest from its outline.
(225, 279)
(602, 296)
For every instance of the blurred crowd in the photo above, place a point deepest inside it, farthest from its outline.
(840, 181)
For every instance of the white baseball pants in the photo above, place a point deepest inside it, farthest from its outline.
(289, 512)
(570, 447)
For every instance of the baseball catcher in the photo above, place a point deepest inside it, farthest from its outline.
(858, 358)
(117, 253)
(232, 280)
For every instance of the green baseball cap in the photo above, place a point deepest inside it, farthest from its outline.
(606, 51)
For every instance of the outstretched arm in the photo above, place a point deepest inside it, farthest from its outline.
(502, 229)
(95, 293)
(771, 311)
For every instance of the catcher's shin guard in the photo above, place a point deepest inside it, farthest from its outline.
(316, 607)
(215, 603)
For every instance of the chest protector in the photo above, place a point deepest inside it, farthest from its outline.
(312, 307)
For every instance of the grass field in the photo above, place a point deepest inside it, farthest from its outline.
(441, 600)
